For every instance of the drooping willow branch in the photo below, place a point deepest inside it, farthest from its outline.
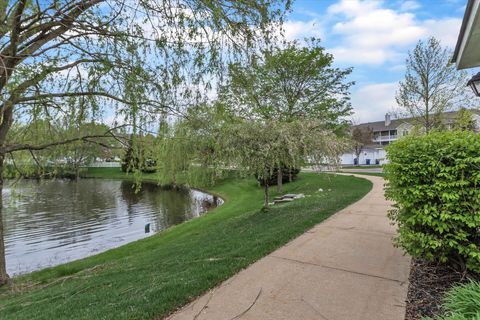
(143, 102)
(84, 138)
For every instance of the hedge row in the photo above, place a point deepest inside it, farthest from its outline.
(435, 182)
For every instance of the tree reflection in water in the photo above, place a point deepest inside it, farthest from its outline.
(55, 221)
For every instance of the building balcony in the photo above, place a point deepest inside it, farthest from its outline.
(385, 138)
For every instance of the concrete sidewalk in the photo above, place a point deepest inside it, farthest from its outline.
(343, 269)
(362, 169)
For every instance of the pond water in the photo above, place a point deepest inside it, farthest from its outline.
(51, 222)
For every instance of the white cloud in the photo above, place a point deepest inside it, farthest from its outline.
(446, 30)
(371, 102)
(409, 5)
(372, 34)
(352, 8)
(357, 55)
(303, 29)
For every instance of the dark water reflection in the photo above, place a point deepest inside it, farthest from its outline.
(55, 221)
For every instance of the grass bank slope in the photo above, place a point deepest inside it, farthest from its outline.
(152, 277)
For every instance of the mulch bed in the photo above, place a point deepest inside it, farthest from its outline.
(428, 284)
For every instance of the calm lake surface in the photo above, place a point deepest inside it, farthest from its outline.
(55, 221)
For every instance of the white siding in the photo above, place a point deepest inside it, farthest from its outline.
(372, 154)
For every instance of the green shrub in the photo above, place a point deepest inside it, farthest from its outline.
(462, 303)
(435, 182)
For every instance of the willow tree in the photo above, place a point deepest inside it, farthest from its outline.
(190, 147)
(134, 57)
(292, 81)
(257, 147)
(175, 152)
(63, 159)
(73, 156)
(211, 140)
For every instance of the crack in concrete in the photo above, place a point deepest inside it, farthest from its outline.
(339, 269)
(361, 230)
(366, 274)
(367, 214)
(341, 228)
(205, 306)
(313, 308)
(249, 308)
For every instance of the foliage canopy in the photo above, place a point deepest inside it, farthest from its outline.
(289, 82)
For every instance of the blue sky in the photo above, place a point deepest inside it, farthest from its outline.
(374, 37)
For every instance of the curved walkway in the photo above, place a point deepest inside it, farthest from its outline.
(343, 269)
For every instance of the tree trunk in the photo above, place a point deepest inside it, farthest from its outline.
(357, 155)
(77, 172)
(265, 192)
(4, 279)
(280, 180)
(357, 150)
(427, 112)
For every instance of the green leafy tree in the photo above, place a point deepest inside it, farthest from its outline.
(190, 147)
(464, 120)
(211, 139)
(176, 152)
(140, 58)
(139, 155)
(432, 85)
(361, 137)
(258, 147)
(290, 83)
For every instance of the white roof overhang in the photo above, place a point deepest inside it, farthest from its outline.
(467, 50)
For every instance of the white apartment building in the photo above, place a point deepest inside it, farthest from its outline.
(388, 130)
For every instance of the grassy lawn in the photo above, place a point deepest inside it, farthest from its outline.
(152, 277)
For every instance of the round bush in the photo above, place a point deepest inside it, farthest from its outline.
(434, 181)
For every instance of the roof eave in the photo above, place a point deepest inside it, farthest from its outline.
(468, 42)
(466, 17)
